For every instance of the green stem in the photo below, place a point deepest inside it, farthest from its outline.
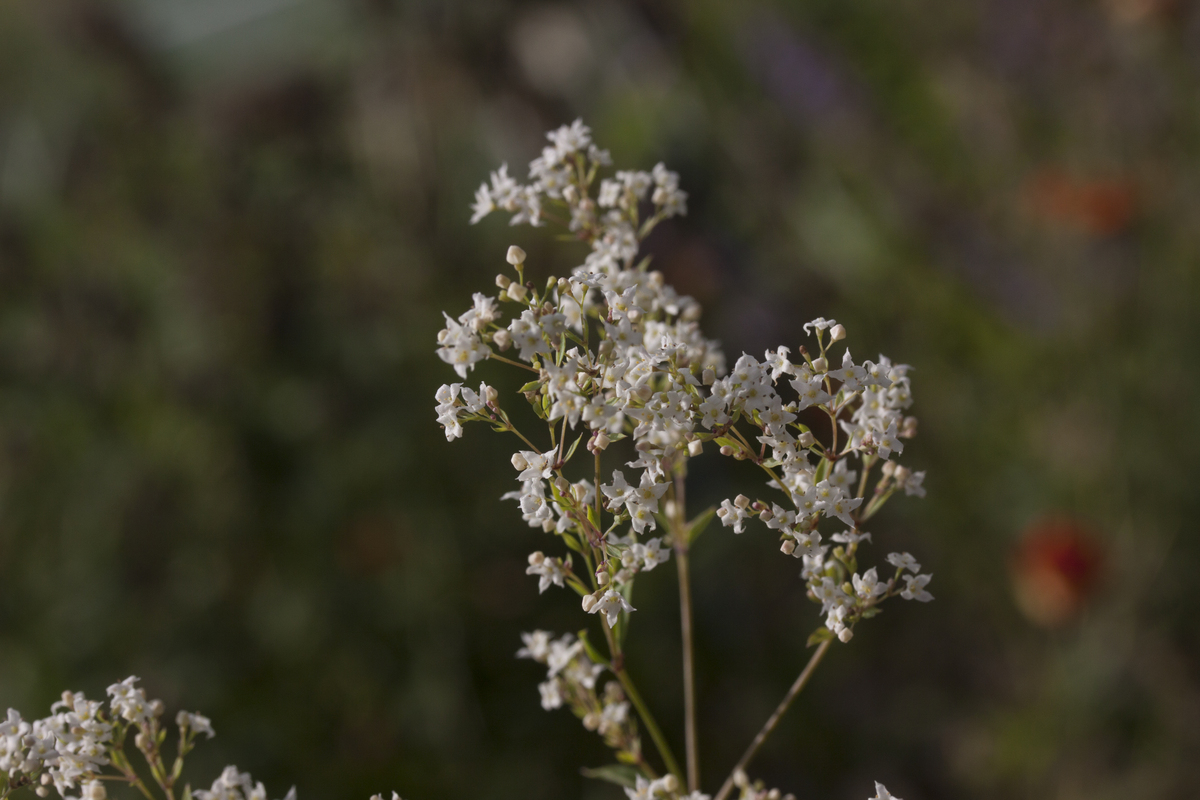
(500, 358)
(652, 728)
(656, 734)
(773, 721)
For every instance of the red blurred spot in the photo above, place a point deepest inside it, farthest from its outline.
(1098, 207)
(1056, 569)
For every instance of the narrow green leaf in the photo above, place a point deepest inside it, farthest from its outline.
(591, 650)
(571, 449)
(821, 634)
(699, 523)
(822, 470)
(531, 386)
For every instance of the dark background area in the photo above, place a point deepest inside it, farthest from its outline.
(227, 233)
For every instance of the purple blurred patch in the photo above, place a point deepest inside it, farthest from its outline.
(805, 82)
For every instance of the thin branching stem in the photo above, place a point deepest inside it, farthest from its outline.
(773, 721)
(656, 735)
(691, 745)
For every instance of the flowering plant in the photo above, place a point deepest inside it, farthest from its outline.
(615, 353)
(82, 746)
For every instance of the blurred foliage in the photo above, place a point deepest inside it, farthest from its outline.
(228, 229)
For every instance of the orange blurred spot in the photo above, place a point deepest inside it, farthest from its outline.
(1098, 207)
(1056, 569)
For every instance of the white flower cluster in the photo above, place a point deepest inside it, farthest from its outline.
(615, 353)
(571, 681)
(234, 785)
(82, 745)
(866, 402)
(664, 788)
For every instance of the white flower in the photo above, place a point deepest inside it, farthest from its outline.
(461, 347)
(811, 390)
(912, 484)
(849, 374)
(867, 586)
(903, 561)
(537, 646)
(196, 723)
(820, 323)
(527, 336)
(881, 793)
(548, 570)
(886, 441)
(129, 701)
(851, 536)
(814, 564)
(732, 516)
(915, 590)
(611, 604)
(551, 692)
(842, 476)
(562, 652)
(650, 554)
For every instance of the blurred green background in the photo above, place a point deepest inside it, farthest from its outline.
(227, 233)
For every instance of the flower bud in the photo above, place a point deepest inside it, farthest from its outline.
(157, 708)
(909, 429)
(517, 291)
(695, 447)
(503, 281)
(562, 484)
(490, 395)
(709, 377)
(902, 473)
(502, 339)
(837, 333)
(564, 286)
(788, 547)
(94, 790)
(820, 365)
(889, 468)
(536, 558)
(516, 256)
(726, 450)
(578, 492)
(602, 577)
(606, 348)
(807, 439)
(68, 700)
(741, 501)
(670, 783)
(42, 791)
(46, 779)
(644, 392)
(519, 462)
(142, 741)
(765, 514)
(589, 602)
(846, 635)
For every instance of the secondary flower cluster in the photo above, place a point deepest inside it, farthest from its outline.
(613, 352)
(81, 745)
(571, 681)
